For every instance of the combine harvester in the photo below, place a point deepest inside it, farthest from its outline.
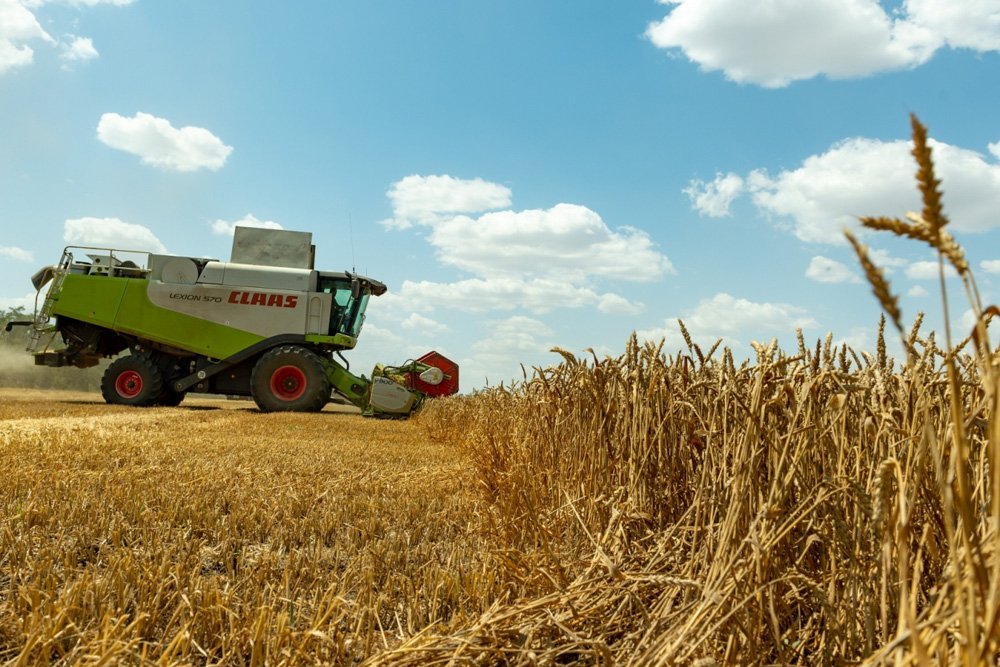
(265, 324)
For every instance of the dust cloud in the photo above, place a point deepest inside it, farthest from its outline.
(18, 369)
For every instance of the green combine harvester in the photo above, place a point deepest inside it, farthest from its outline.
(266, 324)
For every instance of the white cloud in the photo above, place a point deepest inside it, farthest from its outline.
(967, 323)
(885, 261)
(80, 48)
(737, 321)
(928, 270)
(826, 270)
(990, 265)
(729, 316)
(614, 304)
(828, 192)
(421, 200)
(858, 339)
(16, 254)
(995, 149)
(162, 145)
(774, 43)
(917, 292)
(859, 176)
(537, 259)
(383, 345)
(225, 228)
(511, 342)
(539, 295)
(27, 302)
(971, 24)
(111, 233)
(78, 3)
(565, 240)
(418, 322)
(18, 26)
(714, 199)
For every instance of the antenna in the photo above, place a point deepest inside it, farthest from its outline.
(350, 227)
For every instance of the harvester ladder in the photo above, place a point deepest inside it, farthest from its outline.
(42, 315)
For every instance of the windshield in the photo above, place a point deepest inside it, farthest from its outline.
(348, 313)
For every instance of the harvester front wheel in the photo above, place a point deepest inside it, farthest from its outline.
(132, 380)
(290, 378)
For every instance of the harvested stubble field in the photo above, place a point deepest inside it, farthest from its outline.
(211, 532)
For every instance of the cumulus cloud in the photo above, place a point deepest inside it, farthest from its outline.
(828, 192)
(79, 49)
(860, 176)
(737, 321)
(27, 302)
(826, 270)
(111, 233)
(18, 27)
(422, 200)
(774, 43)
(513, 341)
(614, 304)
(917, 291)
(160, 144)
(967, 322)
(78, 3)
(226, 228)
(567, 240)
(418, 322)
(928, 270)
(859, 339)
(713, 199)
(885, 261)
(990, 265)
(16, 254)
(539, 295)
(384, 345)
(972, 24)
(538, 259)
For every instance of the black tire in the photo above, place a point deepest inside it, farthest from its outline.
(170, 398)
(290, 378)
(132, 380)
(171, 372)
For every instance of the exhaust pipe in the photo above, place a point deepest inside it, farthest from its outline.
(42, 277)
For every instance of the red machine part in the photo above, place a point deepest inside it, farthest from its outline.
(447, 386)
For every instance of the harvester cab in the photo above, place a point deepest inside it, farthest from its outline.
(266, 324)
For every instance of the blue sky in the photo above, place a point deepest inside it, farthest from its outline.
(522, 174)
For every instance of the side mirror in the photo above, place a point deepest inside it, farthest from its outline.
(355, 289)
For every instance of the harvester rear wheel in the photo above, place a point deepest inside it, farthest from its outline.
(132, 380)
(290, 378)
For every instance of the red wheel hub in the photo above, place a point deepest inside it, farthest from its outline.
(128, 384)
(288, 383)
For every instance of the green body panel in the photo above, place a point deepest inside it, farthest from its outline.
(90, 299)
(347, 384)
(121, 304)
(339, 340)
